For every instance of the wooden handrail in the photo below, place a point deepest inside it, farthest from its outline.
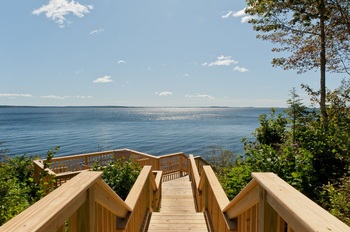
(51, 212)
(296, 209)
(135, 191)
(267, 203)
(64, 168)
(194, 171)
(89, 204)
(245, 199)
(106, 197)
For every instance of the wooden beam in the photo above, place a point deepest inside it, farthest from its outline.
(246, 199)
(301, 213)
(51, 212)
(106, 197)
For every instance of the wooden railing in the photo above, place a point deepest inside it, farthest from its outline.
(267, 203)
(65, 168)
(87, 203)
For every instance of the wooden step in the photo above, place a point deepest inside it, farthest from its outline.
(177, 222)
(177, 212)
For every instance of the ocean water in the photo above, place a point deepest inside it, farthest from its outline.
(156, 131)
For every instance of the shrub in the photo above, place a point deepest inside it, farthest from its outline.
(120, 175)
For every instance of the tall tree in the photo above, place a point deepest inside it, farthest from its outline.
(315, 32)
(296, 113)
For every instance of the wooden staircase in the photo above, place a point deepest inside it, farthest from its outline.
(177, 211)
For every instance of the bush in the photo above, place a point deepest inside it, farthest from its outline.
(120, 175)
(309, 153)
(17, 188)
(338, 202)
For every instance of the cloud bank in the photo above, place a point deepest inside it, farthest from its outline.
(57, 10)
(14, 95)
(65, 97)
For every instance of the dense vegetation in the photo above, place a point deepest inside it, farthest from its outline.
(296, 145)
(18, 189)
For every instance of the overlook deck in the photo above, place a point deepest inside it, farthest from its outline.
(177, 212)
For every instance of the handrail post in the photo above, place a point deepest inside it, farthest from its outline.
(268, 217)
(262, 204)
(180, 165)
(92, 208)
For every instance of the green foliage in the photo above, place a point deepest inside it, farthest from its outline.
(313, 35)
(271, 130)
(13, 194)
(339, 199)
(220, 159)
(297, 114)
(236, 178)
(120, 175)
(17, 187)
(312, 156)
(47, 182)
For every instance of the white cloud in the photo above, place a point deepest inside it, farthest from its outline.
(64, 97)
(164, 93)
(104, 79)
(14, 95)
(53, 97)
(82, 97)
(221, 61)
(121, 62)
(57, 10)
(97, 31)
(244, 17)
(199, 96)
(240, 13)
(186, 75)
(227, 15)
(240, 69)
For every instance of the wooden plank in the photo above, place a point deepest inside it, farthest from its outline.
(194, 171)
(219, 192)
(243, 201)
(297, 210)
(107, 198)
(135, 191)
(177, 211)
(52, 211)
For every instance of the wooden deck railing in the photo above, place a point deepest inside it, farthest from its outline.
(87, 203)
(65, 168)
(267, 203)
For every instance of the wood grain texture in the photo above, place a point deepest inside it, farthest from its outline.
(177, 211)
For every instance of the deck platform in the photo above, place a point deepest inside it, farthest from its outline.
(177, 211)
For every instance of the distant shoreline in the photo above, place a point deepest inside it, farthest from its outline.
(130, 107)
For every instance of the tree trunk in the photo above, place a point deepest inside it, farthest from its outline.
(323, 62)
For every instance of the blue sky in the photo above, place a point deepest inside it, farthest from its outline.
(139, 53)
